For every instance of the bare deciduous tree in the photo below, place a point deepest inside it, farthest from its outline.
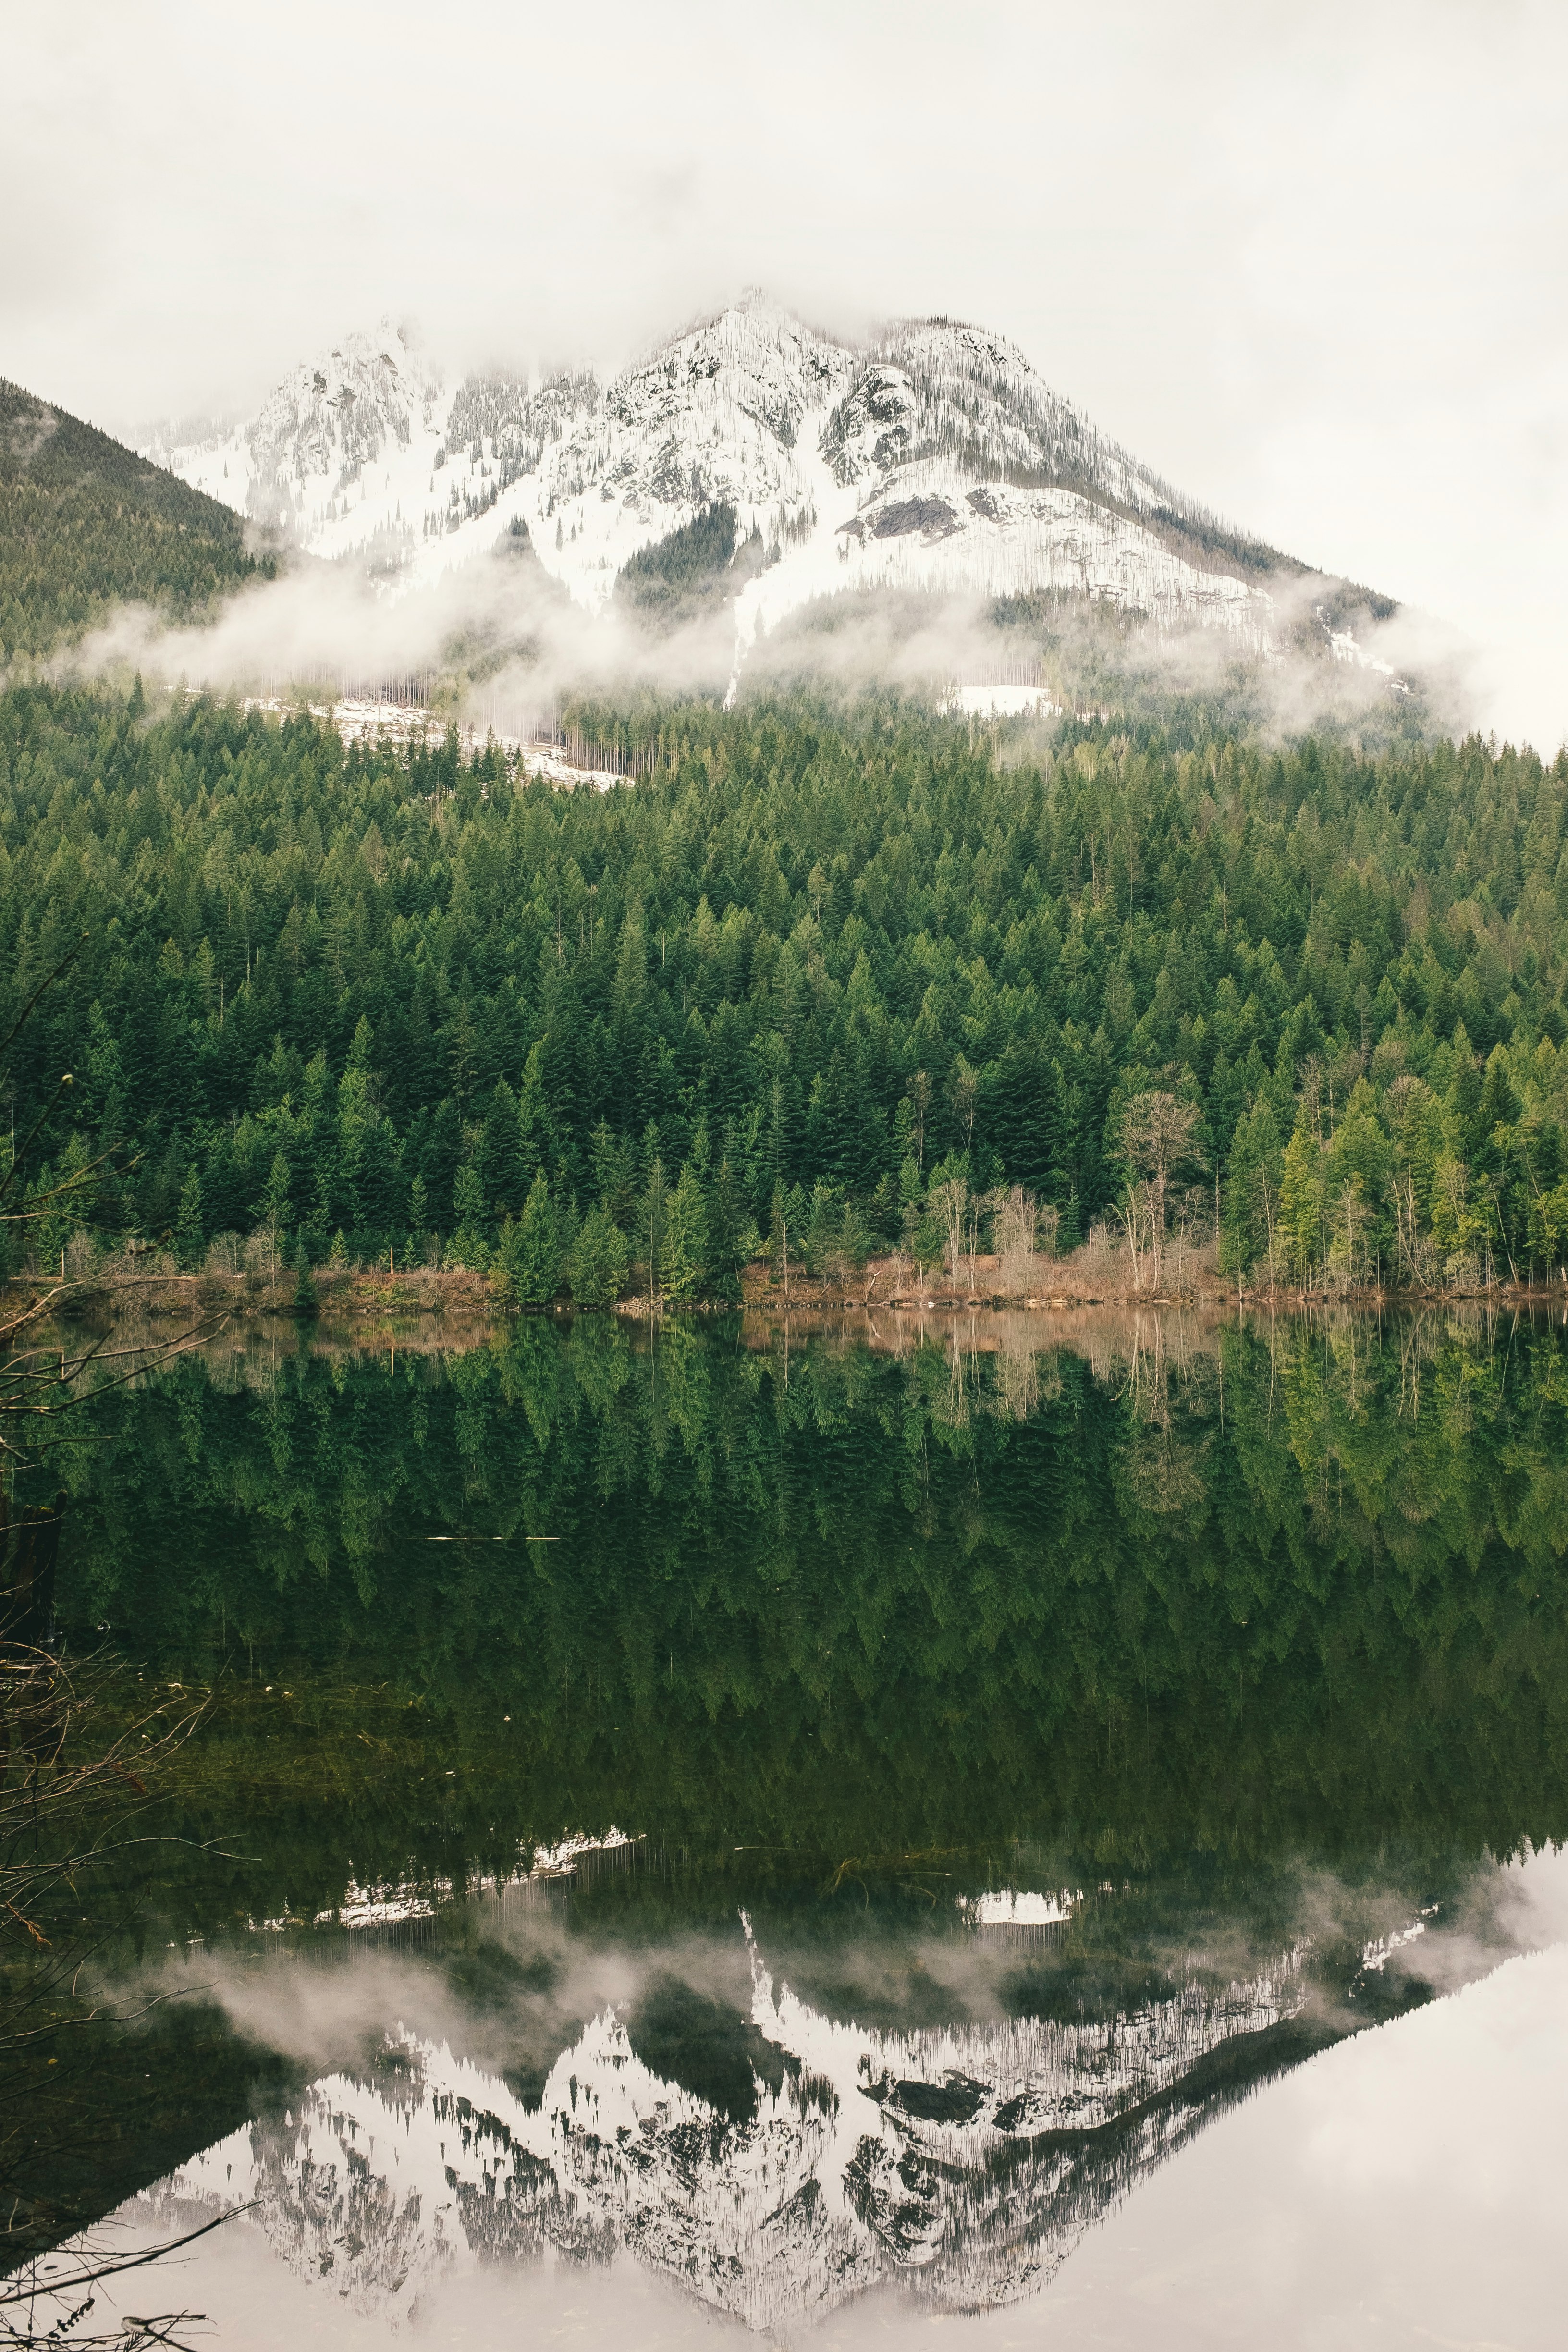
(1157, 1137)
(964, 1093)
(948, 1202)
(39, 2305)
(1021, 1229)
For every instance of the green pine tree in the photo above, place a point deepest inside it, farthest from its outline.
(685, 1266)
(528, 1260)
(190, 1240)
(597, 1269)
(1249, 1223)
(731, 1232)
(274, 1207)
(307, 1298)
(469, 1245)
(653, 1217)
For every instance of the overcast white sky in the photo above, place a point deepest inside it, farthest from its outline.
(1312, 264)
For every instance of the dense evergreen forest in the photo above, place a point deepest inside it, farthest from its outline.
(822, 964)
(85, 524)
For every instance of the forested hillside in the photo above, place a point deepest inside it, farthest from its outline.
(85, 524)
(821, 962)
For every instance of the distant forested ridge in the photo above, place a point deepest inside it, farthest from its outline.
(822, 959)
(85, 524)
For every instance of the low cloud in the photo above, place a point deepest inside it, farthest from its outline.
(506, 644)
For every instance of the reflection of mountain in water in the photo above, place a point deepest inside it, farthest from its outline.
(968, 2160)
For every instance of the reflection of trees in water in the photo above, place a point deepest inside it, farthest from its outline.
(1170, 1584)
(1250, 1580)
(1162, 1475)
(79, 1741)
(1165, 1398)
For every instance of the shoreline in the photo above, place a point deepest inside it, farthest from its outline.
(428, 1290)
(431, 1311)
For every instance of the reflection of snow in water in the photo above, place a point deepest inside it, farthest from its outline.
(397, 1902)
(1376, 1954)
(1010, 1908)
(571, 1850)
(968, 2160)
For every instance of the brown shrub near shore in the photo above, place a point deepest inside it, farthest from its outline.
(459, 1308)
(353, 1297)
(1096, 1275)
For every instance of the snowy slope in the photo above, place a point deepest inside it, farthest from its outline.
(936, 458)
(340, 455)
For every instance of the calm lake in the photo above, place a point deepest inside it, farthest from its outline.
(1044, 1832)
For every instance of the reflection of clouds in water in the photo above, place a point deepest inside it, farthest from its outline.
(1404, 2188)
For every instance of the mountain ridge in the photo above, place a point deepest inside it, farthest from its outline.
(930, 455)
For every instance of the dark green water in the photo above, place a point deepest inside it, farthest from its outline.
(1089, 1737)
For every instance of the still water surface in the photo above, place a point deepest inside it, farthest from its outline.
(693, 1837)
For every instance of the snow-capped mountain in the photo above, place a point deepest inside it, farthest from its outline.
(334, 453)
(967, 2160)
(934, 458)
